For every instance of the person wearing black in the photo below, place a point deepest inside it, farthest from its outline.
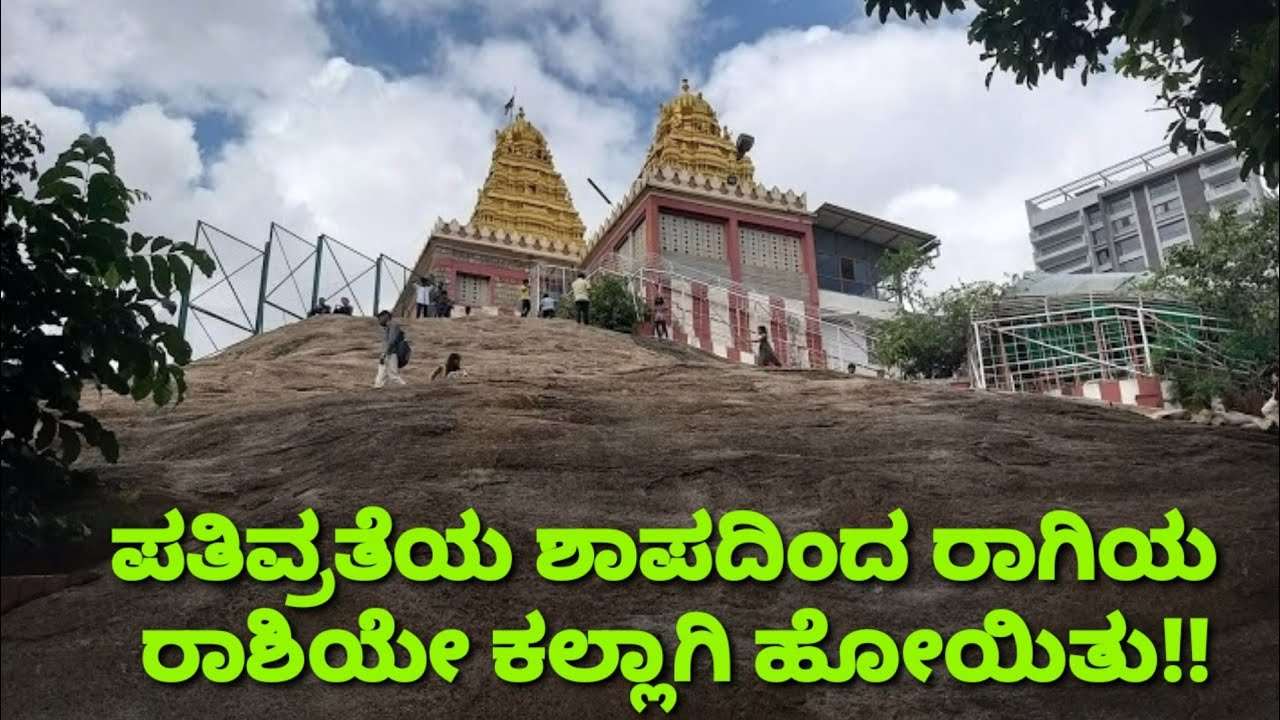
(660, 318)
(344, 307)
(321, 308)
(765, 356)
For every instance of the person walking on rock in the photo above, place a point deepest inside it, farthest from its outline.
(526, 304)
(582, 299)
(765, 356)
(389, 357)
(660, 318)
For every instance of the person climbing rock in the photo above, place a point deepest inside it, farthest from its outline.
(389, 356)
(547, 306)
(764, 355)
(344, 307)
(582, 299)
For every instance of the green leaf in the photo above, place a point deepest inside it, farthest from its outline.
(141, 387)
(162, 392)
(137, 242)
(57, 190)
(109, 445)
(70, 443)
(48, 428)
(141, 273)
(160, 274)
(59, 172)
(181, 275)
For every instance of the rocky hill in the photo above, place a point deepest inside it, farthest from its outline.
(562, 426)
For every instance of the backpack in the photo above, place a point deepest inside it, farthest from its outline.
(402, 352)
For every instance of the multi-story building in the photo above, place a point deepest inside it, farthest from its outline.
(1126, 217)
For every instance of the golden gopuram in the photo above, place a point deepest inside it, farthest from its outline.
(524, 222)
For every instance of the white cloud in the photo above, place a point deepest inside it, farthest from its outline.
(895, 121)
(60, 125)
(615, 44)
(194, 55)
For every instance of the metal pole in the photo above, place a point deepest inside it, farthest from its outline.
(1146, 346)
(377, 283)
(315, 280)
(262, 286)
(186, 293)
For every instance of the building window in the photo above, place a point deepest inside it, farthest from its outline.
(1120, 225)
(770, 250)
(1128, 246)
(1104, 256)
(473, 290)
(1173, 230)
(847, 269)
(1163, 189)
(1095, 216)
(1168, 207)
(1057, 224)
(1099, 236)
(1121, 206)
(1134, 265)
(691, 236)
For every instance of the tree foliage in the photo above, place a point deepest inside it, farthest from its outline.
(613, 305)
(1232, 272)
(902, 274)
(1203, 55)
(78, 292)
(933, 342)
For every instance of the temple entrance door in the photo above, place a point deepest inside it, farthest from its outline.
(473, 290)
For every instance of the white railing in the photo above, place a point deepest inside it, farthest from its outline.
(842, 344)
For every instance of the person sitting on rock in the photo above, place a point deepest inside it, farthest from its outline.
(321, 308)
(452, 368)
(765, 356)
(344, 307)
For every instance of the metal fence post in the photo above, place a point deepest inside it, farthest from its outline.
(377, 284)
(315, 280)
(186, 293)
(262, 286)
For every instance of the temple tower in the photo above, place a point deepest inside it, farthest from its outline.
(524, 223)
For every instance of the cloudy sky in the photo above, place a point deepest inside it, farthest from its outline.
(368, 120)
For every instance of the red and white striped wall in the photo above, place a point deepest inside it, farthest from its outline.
(1142, 391)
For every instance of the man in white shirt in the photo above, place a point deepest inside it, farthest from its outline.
(582, 298)
(425, 291)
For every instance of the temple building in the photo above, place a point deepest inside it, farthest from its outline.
(731, 255)
(727, 253)
(524, 223)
